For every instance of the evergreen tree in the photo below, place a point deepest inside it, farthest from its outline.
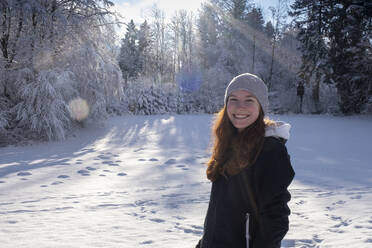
(129, 53)
(269, 30)
(311, 18)
(350, 54)
(255, 20)
(208, 36)
(144, 45)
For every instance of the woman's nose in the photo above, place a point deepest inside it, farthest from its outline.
(240, 104)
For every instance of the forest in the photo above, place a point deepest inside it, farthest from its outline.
(62, 65)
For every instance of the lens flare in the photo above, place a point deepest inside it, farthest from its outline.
(79, 109)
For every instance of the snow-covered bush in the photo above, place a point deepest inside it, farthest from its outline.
(42, 108)
(148, 100)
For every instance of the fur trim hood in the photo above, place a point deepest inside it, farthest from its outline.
(280, 130)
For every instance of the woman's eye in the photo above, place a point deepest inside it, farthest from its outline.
(232, 100)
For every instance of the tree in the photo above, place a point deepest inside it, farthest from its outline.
(50, 53)
(207, 26)
(335, 42)
(279, 15)
(182, 39)
(159, 44)
(312, 21)
(129, 58)
(350, 54)
(255, 20)
(144, 48)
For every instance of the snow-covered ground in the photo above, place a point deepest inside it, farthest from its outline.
(139, 181)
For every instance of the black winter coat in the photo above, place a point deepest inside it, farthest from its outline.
(261, 191)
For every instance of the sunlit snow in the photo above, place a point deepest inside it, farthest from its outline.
(139, 181)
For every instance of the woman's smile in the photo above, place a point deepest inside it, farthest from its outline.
(241, 117)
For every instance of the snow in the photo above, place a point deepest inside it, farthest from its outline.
(139, 181)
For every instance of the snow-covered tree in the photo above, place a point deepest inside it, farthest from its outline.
(144, 48)
(336, 45)
(182, 40)
(49, 56)
(129, 58)
(350, 54)
(311, 18)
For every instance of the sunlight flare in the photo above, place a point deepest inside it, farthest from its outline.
(79, 109)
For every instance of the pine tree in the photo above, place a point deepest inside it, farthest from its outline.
(350, 54)
(129, 53)
(208, 36)
(311, 18)
(255, 20)
(144, 45)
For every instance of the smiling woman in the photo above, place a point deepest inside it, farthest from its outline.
(250, 172)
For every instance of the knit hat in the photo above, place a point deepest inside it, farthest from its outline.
(251, 83)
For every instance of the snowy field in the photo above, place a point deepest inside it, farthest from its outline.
(140, 181)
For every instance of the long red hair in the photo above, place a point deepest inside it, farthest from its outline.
(232, 150)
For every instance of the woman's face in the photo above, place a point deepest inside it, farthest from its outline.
(242, 109)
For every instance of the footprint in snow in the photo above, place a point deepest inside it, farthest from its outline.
(2, 181)
(191, 230)
(147, 242)
(170, 161)
(356, 197)
(110, 163)
(84, 172)
(153, 159)
(182, 166)
(122, 174)
(139, 149)
(157, 220)
(24, 173)
(179, 217)
(90, 168)
(300, 202)
(63, 176)
(57, 182)
(141, 159)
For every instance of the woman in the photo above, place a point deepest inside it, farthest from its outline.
(250, 172)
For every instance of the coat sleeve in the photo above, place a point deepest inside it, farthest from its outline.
(272, 178)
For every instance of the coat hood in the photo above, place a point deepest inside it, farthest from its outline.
(280, 130)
